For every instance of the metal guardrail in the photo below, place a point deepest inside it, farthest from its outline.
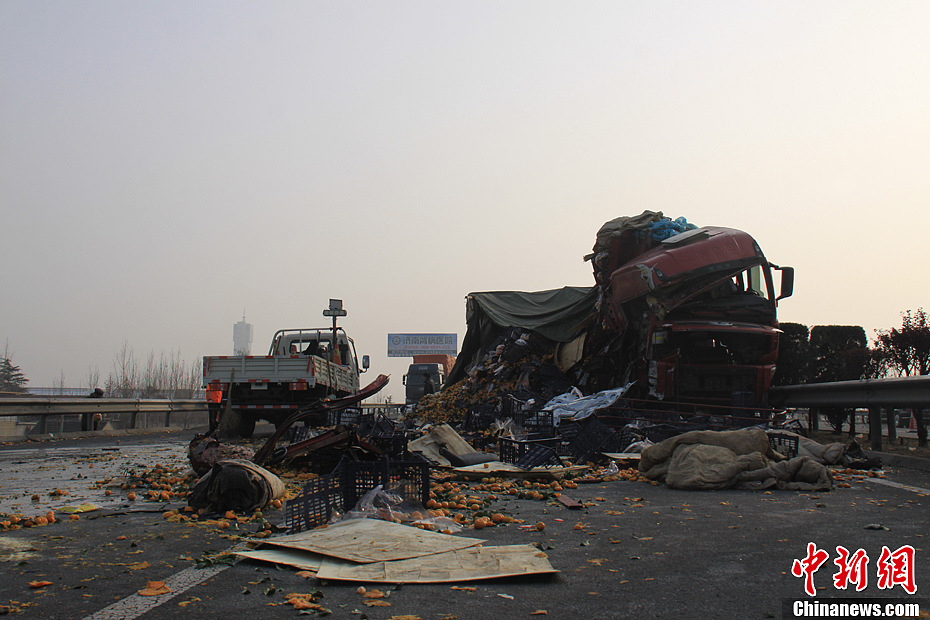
(873, 394)
(898, 392)
(44, 407)
(64, 406)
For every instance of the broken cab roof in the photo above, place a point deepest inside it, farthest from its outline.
(691, 254)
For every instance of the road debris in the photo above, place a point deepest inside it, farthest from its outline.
(236, 485)
(713, 460)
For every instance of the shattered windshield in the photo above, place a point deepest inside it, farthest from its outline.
(747, 282)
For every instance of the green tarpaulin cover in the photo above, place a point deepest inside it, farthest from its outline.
(558, 314)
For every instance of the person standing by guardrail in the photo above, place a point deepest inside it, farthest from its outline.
(87, 417)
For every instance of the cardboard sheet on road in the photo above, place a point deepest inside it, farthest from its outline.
(304, 560)
(471, 564)
(372, 540)
(507, 470)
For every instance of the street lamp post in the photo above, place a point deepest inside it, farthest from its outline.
(334, 310)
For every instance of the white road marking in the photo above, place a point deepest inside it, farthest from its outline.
(134, 605)
(898, 485)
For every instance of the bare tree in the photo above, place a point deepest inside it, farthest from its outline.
(123, 381)
(166, 375)
(150, 378)
(93, 377)
(175, 371)
(193, 382)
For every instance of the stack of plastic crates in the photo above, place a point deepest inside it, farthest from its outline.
(591, 439)
(785, 444)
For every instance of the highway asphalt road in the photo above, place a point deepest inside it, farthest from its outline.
(642, 551)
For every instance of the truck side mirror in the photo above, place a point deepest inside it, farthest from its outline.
(366, 362)
(403, 380)
(787, 282)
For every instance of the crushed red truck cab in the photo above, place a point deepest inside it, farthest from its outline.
(695, 312)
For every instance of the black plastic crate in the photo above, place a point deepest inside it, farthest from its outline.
(326, 460)
(392, 444)
(408, 478)
(297, 433)
(480, 441)
(349, 417)
(591, 439)
(784, 443)
(370, 424)
(512, 450)
(541, 423)
(341, 417)
(411, 479)
(480, 418)
(569, 430)
(314, 506)
(539, 456)
(341, 490)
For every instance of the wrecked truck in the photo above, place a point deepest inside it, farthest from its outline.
(681, 314)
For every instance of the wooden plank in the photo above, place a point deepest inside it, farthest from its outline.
(569, 502)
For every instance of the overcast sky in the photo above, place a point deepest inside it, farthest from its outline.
(167, 165)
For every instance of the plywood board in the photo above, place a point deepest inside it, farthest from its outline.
(372, 540)
(623, 456)
(471, 564)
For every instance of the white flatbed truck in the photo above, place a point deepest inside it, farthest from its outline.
(303, 366)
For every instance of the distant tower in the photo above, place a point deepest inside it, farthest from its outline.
(242, 337)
